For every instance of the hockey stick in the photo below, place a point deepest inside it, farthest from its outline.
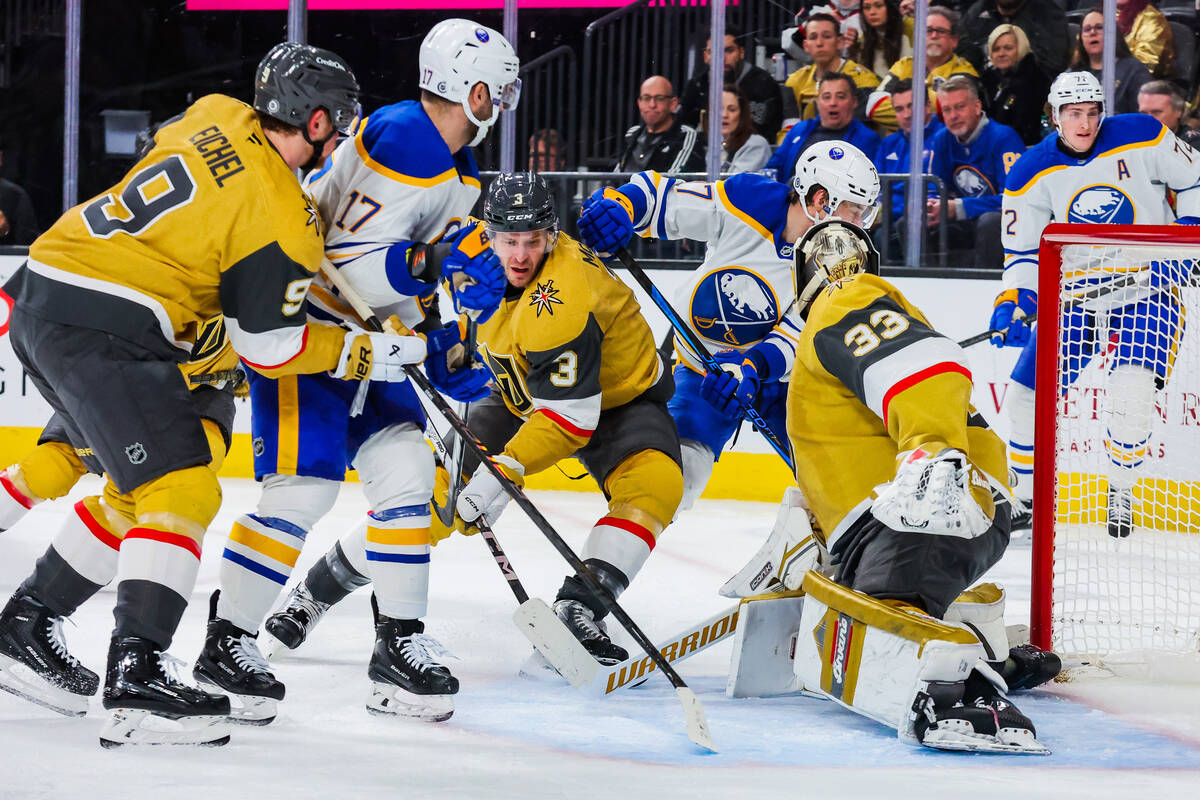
(697, 347)
(986, 335)
(697, 726)
(235, 376)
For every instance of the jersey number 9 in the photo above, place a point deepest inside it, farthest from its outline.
(151, 193)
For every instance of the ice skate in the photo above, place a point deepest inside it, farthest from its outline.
(35, 663)
(591, 633)
(150, 704)
(1028, 666)
(980, 720)
(301, 613)
(1022, 515)
(232, 663)
(406, 678)
(1120, 512)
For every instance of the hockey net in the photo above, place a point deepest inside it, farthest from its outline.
(1128, 604)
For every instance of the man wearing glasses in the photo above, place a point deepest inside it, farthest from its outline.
(661, 143)
(941, 38)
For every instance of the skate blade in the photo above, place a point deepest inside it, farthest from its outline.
(245, 709)
(135, 726)
(1008, 742)
(273, 649)
(22, 681)
(537, 668)
(390, 700)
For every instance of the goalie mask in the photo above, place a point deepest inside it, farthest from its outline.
(830, 251)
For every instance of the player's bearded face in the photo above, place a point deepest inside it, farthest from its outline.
(1079, 123)
(521, 254)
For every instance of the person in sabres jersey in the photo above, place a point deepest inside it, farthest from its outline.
(1097, 170)
(577, 373)
(395, 198)
(740, 298)
(211, 221)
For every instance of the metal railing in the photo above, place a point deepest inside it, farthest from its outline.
(884, 239)
(549, 102)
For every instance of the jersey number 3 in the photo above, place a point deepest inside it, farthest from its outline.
(151, 193)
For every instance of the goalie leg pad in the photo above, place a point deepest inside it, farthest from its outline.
(764, 646)
(791, 550)
(980, 610)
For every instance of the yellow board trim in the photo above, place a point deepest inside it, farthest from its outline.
(393, 536)
(264, 544)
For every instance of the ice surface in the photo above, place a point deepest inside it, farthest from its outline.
(511, 737)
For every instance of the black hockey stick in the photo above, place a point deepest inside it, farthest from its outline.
(696, 346)
(235, 376)
(697, 726)
(986, 335)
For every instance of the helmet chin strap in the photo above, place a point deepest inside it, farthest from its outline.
(482, 126)
(318, 147)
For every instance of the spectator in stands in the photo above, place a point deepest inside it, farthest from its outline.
(895, 151)
(1014, 84)
(821, 33)
(846, 12)
(887, 36)
(760, 89)
(661, 143)
(742, 150)
(18, 226)
(908, 8)
(972, 156)
(1043, 21)
(941, 62)
(546, 151)
(835, 121)
(1088, 55)
(1162, 100)
(1148, 35)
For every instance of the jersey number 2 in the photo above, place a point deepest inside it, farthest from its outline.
(151, 193)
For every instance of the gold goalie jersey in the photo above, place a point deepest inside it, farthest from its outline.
(569, 345)
(210, 221)
(872, 380)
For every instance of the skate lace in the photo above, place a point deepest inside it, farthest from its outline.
(422, 651)
(58, 644)
(246, 654)
(581, 618)
(304, 603)
(175, 670)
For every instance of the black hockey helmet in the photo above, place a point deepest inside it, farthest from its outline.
(829, 251)
(293, 80)
(518, 202)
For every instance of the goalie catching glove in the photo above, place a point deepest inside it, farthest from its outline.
(379, 356)
(484, 496)
(932, 494)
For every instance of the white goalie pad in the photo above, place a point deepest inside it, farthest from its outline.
(791, 550)
(980, 610)
(873, 658)
(932, 494)
(764, 647)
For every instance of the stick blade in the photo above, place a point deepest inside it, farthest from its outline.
(546, 632)
(697, 724)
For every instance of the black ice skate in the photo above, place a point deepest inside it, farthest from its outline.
(1120, 513)
(582, 623)
(301, 613)
(406, 679)
(35, 663)
(151, 705)
(1022, 515)
(231, 662)
(973, 716)
(1028, 666)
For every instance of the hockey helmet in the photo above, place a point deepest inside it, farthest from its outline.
(293, 80)
(519, 202)
(844, 172)
(830, 251)
(457, 54)
(1075, 87)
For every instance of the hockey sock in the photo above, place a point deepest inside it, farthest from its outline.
(155, 578)
(1020, 439)
(257, 562)
(333, 578)
(609, 578)
(397, 553)
(1130, 396)
(81, 559)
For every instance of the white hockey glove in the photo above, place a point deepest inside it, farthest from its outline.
(932, 494)
(484, 496)
(378, 356)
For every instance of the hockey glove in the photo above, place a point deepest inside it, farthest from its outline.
(1008, 317)
(932, 494)
(483, 496)
(735, 386)
(447, 371)
(606, 221)
(475, 274)
(441, 493)
(1188, 221)
(1165, 274)
(378, 356)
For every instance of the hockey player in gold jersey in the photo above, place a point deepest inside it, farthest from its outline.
(576, 373)
(211, 221)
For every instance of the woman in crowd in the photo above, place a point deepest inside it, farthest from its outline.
(1149, 36)
(1088, 55)
(742, 150)
(887, 36)
(1014, 86)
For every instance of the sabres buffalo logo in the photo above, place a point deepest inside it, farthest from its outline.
(1101, 204)
(972, 183)
(734, 306)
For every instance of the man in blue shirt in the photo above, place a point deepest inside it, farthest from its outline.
(894, 155)
(836, 101)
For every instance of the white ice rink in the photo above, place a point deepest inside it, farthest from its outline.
(513, 738)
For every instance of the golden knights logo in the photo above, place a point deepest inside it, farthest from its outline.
(543, 297)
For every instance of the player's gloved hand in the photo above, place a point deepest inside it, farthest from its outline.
(483, 496)
(448, 369)
(932, 494)
(475, 274)
(735, 386)
(1167, 273)
(378, 356)
(1008, 317)
(1188, 221)
(606, 221)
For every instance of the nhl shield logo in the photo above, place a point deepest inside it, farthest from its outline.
(136, 453)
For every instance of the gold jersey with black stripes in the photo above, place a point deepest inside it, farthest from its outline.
(570, 344)
(873, 379)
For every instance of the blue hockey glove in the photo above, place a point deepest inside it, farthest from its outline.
(475, 274)
(1169, 272)
(465, 382)
(735, 385)
(1188, 221)
(1008, 317)
(606, 221)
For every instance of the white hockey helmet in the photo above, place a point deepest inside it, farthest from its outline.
(1075, 87)
(457, 54)
(843, 171)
